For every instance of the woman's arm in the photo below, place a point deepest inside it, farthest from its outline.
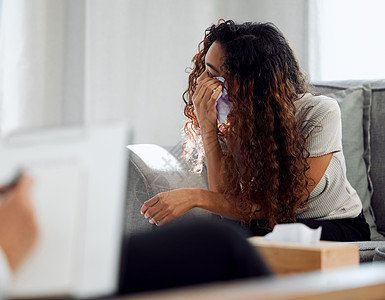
(213, 153)
(317, 168)
(204, 102)
(167, 206)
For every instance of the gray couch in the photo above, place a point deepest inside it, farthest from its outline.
(153, 169)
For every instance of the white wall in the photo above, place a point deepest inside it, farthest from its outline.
(92, 61)
(147, 45)
(351, 40)
(291, 17)
(162, 39)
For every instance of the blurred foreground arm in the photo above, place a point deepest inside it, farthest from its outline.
(18, 227)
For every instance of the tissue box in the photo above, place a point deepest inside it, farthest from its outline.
(285, 257)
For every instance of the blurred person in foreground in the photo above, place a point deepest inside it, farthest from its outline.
(18, 229)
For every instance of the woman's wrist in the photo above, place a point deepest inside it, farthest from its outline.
(210, 140)
(216, 203)
(207, 200)
(200, 198)
(209, 129)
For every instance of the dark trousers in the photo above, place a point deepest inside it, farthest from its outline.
(342, 230)
(188, 253)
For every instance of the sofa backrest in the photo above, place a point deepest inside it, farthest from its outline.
(375, 141)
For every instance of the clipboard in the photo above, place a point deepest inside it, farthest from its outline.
(78, 197)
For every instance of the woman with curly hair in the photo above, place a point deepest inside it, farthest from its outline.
(273, 154)
(272, 147)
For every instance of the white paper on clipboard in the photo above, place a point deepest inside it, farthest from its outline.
(78, 196)
(58, 195)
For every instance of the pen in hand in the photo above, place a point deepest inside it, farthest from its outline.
(8, 187)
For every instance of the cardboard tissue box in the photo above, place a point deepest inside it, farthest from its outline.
(295, 248)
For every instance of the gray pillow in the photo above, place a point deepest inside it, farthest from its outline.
(379, 254)
(355, 106)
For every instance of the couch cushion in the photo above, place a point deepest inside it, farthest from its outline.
(367, 249)
(377, 141)
(152, 170)
(355, 103)
(379, 254)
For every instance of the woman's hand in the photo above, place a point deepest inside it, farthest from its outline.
(204, 102)
(204, 99)
(167, 206)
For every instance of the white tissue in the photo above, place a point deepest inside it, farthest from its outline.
(295, 233)
(222, 103)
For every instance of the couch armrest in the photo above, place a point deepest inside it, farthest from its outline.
(153, 169)
(367, 249)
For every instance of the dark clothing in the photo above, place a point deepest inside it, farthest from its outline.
(341, 230)
(183, 254)
(188, 253)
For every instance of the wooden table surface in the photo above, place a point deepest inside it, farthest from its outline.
(366, 281)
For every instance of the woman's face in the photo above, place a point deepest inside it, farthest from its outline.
(214, 60)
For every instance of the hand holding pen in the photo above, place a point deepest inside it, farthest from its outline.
(11, 185)
(18, 226)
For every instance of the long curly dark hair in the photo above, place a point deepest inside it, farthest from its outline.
(264, 153)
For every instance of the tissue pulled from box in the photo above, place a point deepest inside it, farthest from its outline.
(295, 233)
(222, 103)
